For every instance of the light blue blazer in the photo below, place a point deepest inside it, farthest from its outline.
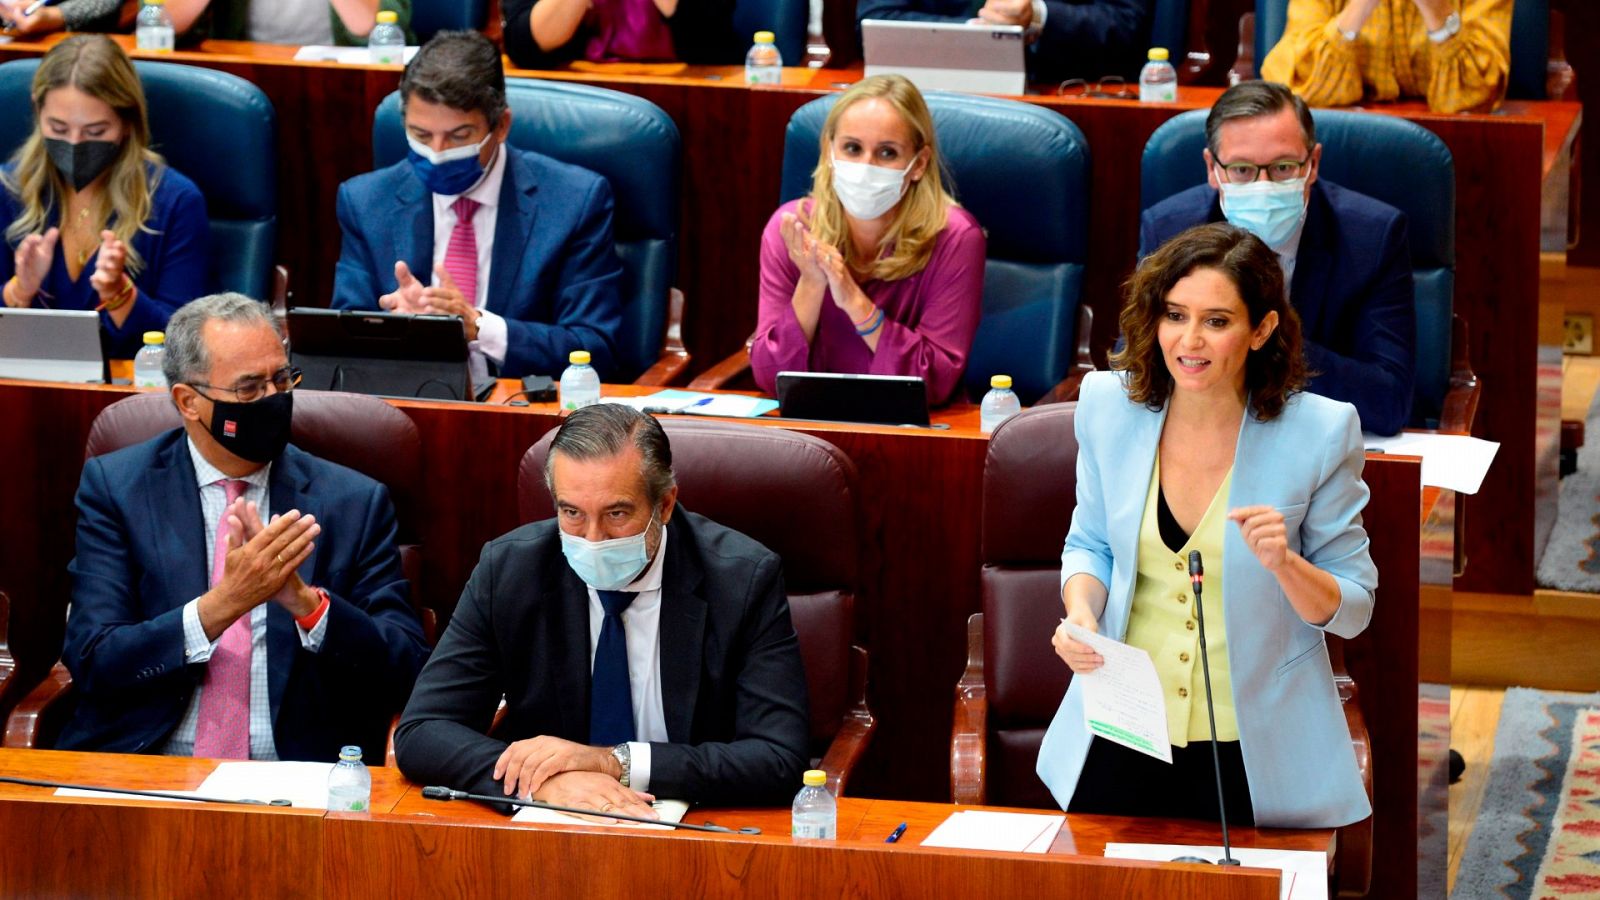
(1307, 463)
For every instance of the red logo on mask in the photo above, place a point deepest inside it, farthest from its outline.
(229, 428)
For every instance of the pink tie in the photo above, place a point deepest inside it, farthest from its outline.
(223, 731)
(461, 255)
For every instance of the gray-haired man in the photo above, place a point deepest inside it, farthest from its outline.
(203, 624)
(641, 649)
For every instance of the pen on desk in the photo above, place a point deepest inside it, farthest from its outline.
(1374, 449)
(701, 402)
(35, 6)
(895, 835)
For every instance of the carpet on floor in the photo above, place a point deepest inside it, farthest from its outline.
(1433, 788)
(1537, 834)
(1571, 559)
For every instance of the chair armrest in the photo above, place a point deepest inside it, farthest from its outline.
(850, 744)
(674, 357)
(1461, 400)
(736, 366)
(1066, 390)
(34, 723)
(969, 735)
(1353, 860)
(279, 301)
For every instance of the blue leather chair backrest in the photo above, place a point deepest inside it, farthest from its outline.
(429, 17)
(1169, 28)
(630, 142)
(1530, 42)
(788, 20)
(217, 129)
(1385, 157)
(1023, 172)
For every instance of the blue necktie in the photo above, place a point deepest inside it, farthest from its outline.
(610, 698)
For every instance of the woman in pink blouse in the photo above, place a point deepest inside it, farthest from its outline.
(877, 271)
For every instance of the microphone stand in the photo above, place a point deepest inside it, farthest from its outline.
(443, 793)
(1196, 577)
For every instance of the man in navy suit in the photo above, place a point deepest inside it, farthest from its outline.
(516, 244)
(1346, 256)
(234, 596)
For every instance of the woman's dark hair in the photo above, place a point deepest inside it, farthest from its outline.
(1272, 373)
(458, 69)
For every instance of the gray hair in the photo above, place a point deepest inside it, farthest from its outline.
(186, 359)
(1249, 99)
(602, 431)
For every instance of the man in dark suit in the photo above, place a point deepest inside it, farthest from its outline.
(515, 243)
(1087, 39)
(1345, 255)
(234, 596)
(641, 649)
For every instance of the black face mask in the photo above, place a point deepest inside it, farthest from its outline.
(82, 162)
(257, 431)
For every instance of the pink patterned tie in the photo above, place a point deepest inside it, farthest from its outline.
(223, 731)
(461, 255)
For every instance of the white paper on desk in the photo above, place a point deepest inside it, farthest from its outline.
(736, 406)
(1305, 872)
(349, 56)
(303, 784)
(113, 795)
(670, 400)
(668, 810)
(983, 830)
(1122, 700)
(1454, 462)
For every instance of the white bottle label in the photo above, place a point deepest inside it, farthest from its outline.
(1158, 93)
(155, 38)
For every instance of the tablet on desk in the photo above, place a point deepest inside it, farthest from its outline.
(870, 399)
(386, 354)
(51, 345)
(947, 56)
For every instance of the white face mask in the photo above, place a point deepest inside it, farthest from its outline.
(865, 190)
(1271, 210)
(608, 565)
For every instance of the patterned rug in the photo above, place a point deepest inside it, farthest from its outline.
(1538, 832)
(1433, 789)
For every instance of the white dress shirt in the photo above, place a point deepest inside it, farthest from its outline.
(491, 342)
(197, 649)
(1288, 253)
(297, 22)
(641, 624)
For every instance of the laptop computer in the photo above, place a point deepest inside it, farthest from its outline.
(51, 345)
(870, 399)
(381, 353)
(947, 56)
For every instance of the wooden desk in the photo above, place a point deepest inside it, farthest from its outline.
(413, 847)
(733, 152)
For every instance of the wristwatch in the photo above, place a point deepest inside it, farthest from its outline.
(1452, 24)
(624, 758)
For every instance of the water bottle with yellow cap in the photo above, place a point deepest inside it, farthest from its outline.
(999, 404)
(580, 384)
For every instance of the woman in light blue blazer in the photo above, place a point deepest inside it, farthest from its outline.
(1202, 438)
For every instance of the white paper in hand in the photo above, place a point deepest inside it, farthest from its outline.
(1122, 700)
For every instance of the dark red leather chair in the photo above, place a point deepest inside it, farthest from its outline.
(796, 495)
(353, 430)
(1014, 681)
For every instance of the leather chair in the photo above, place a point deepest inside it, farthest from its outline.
(788, 20)
(220, 131)
(429, 17)
(1014, 682)
(783, 489)
(354, 430)
(635, 146)
(1405, 166)
(1530, 42)
(1023, 172)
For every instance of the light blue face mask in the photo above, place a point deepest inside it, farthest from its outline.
(1270, 210)
(607, 565)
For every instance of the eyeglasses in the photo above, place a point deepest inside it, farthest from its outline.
(251, 389)
(1282, 170)
(1111, 86)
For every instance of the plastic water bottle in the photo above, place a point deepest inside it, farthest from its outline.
(998, 405)
(580, 384)
(386, 45)
(763, 64)
(815, 815)
(153, 29)
(147, 362)
(349, 784)
(1158, 80)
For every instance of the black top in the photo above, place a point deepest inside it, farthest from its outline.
(1172, 534)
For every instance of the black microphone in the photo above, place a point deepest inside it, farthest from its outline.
(1197, 572)
(166, 795)
(438, 792)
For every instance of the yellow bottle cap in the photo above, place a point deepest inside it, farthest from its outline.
(765, 37)
(155, 337)
(388, 17)
(155, 2)
(578, 357)
(816, 778)
(1003, 382)
(1158, 54)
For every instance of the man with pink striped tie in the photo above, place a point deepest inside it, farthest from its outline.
(517, 244)
(204, 625)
